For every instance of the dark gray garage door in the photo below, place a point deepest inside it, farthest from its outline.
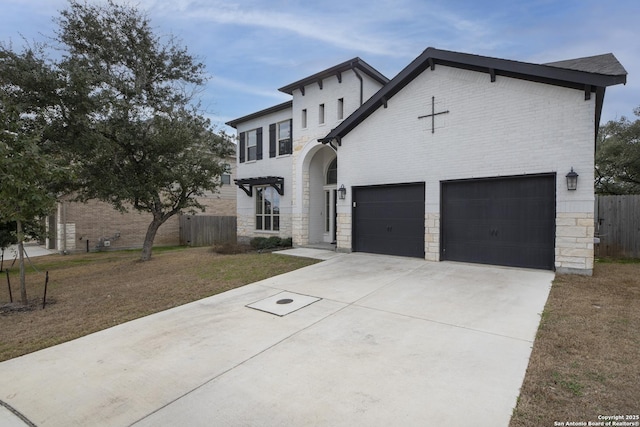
(502, 221)
(389, 219)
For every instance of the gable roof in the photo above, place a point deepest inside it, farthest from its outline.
(592, 74)
(337, 70)
(355, 63)
(234, 123)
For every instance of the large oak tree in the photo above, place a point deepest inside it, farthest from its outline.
(130, 122)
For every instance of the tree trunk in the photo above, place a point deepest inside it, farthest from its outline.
(149, 237)
(23, 284)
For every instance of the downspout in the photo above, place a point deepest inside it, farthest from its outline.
(353, 67)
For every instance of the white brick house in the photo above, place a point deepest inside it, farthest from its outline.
(459, 157)
(281, 163)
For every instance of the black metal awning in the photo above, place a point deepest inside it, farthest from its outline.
(247, 184)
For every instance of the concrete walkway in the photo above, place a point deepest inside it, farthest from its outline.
(32, 250)
(391, 341)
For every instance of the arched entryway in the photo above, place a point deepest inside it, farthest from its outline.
(323, 175)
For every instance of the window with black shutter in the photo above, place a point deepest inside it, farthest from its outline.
(252, 145)
(284, 137)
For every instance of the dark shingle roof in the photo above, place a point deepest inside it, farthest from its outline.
(600, 64)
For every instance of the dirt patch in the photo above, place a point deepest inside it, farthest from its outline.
(586, 357)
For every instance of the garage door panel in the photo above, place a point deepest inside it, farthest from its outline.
(389, 219)
(504, 221)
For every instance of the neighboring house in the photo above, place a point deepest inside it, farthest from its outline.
(459, 157)
(96, 225)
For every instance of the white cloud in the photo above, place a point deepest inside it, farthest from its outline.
(349, 31)
(227, 83)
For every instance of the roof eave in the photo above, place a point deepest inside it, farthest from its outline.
(335, 71)
(234, 123)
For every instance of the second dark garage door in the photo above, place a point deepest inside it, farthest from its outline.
(389, 219)
(502, 221)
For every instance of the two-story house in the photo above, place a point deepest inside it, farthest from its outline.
(459, 157)
(287, 180)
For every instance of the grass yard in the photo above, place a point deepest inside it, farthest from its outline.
(586, 356)
(95, 291)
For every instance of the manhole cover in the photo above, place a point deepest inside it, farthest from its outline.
(283, 303)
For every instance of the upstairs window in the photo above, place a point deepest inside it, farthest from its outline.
(321, 114)
(252, 145)
(284, 137)
(280, 139)
(340, 108)
(303, 119)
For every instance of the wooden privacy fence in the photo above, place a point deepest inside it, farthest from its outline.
(618, 226)
(206, 230)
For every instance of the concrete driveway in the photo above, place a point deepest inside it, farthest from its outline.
(390, 341)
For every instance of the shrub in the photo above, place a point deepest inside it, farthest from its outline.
(230, 248)
(273, 242)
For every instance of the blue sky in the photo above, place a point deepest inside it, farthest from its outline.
(253, 47)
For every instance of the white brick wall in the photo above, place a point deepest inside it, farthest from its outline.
(306, 144)
(509, 127)
(267, 166)
(295, 204)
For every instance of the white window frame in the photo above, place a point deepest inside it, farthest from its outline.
(283, 139)
(267, 216)
(249, 146)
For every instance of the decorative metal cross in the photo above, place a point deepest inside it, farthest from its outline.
(433, 114)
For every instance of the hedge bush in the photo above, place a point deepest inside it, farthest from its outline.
(272, 242)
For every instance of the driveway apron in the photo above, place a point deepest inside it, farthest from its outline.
(391, 341)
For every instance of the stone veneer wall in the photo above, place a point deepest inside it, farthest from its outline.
(246, 228)
(300, 232)
(574, 242)
(432, 237)
(343, 242)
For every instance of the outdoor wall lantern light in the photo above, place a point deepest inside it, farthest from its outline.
(572, 180)
(343, 192)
